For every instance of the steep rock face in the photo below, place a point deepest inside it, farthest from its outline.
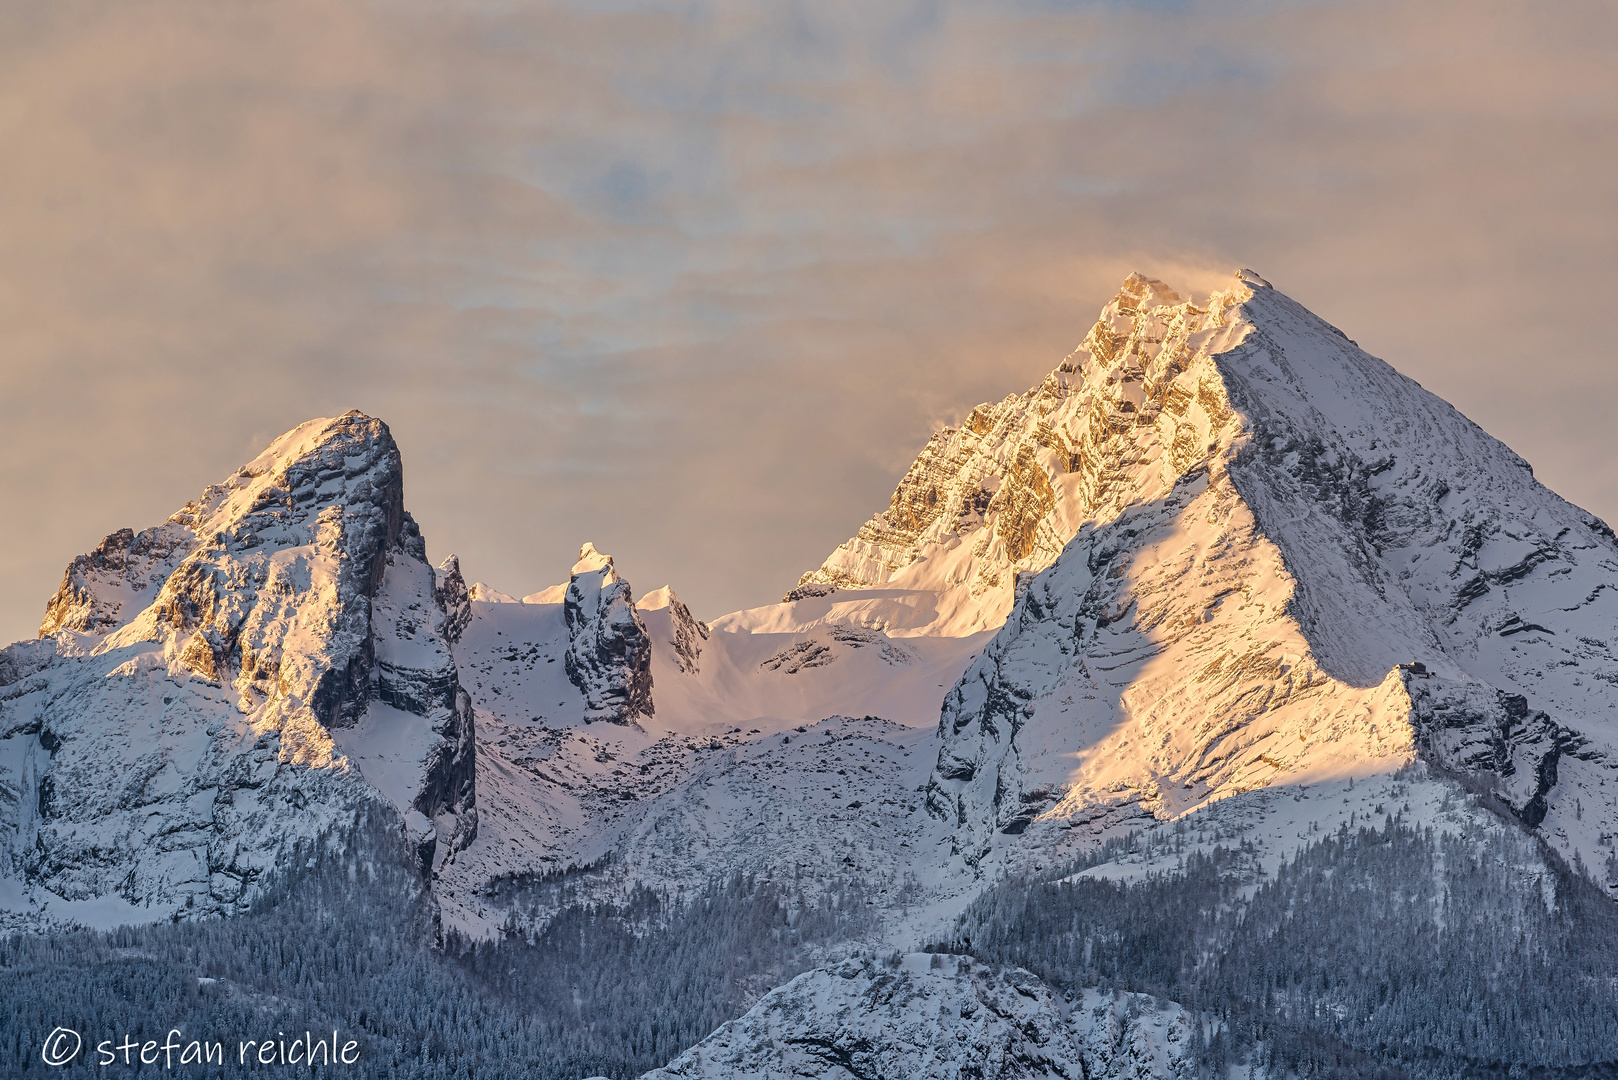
(1386, 499)
(1002, 495)
(1483, 733)
(1152, 668)
(609, 653)
(211, 665)
(686, 633)
(940, 1016)
(107, 587)
(451, 593)
(23, 658)
(1304, 525)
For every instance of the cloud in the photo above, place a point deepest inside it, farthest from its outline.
(696, 280)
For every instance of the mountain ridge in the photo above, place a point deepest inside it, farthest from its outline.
(1220, 583)
(1167, 412)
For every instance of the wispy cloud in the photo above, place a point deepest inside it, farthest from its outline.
(695, 280)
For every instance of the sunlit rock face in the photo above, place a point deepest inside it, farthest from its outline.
(1002, 495)
(254, 672)
(1304, 567)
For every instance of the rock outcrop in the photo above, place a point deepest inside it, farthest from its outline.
(253, 673)
(107, 587)
(451, 593)
(928, 1015)
(609, 653)
(686, 633)
(1492, 740)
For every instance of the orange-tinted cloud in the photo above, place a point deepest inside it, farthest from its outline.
(696, 280)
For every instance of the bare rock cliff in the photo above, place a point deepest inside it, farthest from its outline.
(258, 670)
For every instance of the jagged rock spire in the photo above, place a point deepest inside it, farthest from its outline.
(609, 653)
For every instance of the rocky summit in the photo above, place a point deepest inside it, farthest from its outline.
(609, 656)
(1318, 569)
(209, 691)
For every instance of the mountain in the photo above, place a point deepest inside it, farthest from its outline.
(1341, 573)
(254, 672)
(997, 499)
(1307, 596)
(1196, 561)
(1223, 631)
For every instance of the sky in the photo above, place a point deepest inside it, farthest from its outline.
(696, 281)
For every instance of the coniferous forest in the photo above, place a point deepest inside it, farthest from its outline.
(348, 940)
(1382, 952)
(1373, 952)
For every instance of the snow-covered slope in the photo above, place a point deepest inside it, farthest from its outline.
(1301, 521)
(933, 1015)
(251, 673)
(759, 751)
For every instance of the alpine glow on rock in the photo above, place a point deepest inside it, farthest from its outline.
(1224, 625)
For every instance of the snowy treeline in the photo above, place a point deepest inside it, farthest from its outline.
(1386, 951)
(1379, 951)
(349, 940)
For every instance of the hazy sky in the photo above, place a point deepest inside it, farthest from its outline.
(695, 281)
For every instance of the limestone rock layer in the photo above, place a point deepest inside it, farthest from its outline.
(256, 671)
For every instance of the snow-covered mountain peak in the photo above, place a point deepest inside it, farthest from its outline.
(260, 667)
(1001, 495)
(1142, 293)
(1279, 526)
(108, 587)
(590, 561)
